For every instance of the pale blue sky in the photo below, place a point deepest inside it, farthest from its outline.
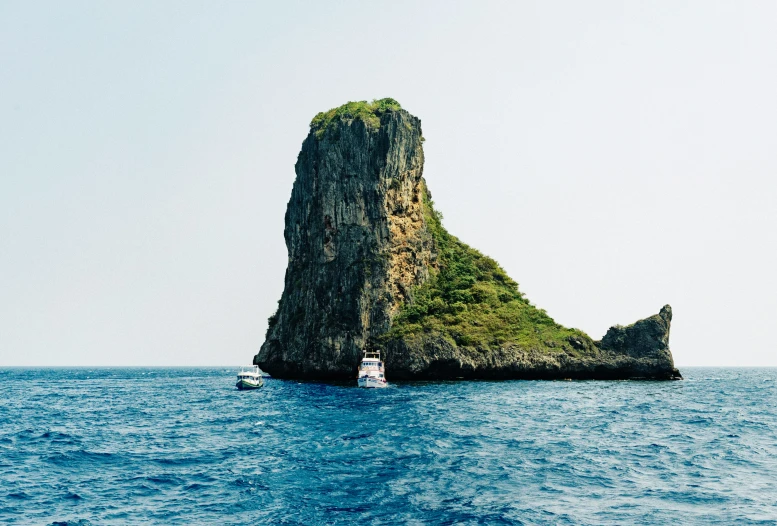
(612, 156)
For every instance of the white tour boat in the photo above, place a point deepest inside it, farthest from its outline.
(371, 371)
(249, 378)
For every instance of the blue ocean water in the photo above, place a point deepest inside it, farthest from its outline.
(183, 446)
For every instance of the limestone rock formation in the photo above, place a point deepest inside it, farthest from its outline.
(370, 265)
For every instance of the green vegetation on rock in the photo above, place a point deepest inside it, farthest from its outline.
(471, 301)
(368, 112)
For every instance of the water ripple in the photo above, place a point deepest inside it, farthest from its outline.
(182, 446)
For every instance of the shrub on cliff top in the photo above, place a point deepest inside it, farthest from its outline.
(369, 112)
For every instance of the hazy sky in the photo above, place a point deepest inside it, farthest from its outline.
(612, 156)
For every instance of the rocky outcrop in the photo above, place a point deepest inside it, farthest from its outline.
(638, 351)
(644, 345)
(356, 239)
(370, 265)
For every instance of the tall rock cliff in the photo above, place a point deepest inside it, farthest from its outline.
(371, 266)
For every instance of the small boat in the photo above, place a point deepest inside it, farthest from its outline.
(371, 371)
(249, 378)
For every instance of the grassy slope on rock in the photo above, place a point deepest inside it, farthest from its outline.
(473, 302)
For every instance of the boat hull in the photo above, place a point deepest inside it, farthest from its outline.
(245, 385)
(371, 383)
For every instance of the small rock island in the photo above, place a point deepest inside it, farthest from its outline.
(370, 265)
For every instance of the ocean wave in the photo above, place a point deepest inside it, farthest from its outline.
(182, 446)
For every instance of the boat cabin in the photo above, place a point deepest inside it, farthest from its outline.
(371, 360)
(248, 372)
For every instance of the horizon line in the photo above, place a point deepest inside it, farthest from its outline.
(244, 365)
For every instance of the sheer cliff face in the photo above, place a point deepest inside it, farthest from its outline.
(371, 266)
(357, 244)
